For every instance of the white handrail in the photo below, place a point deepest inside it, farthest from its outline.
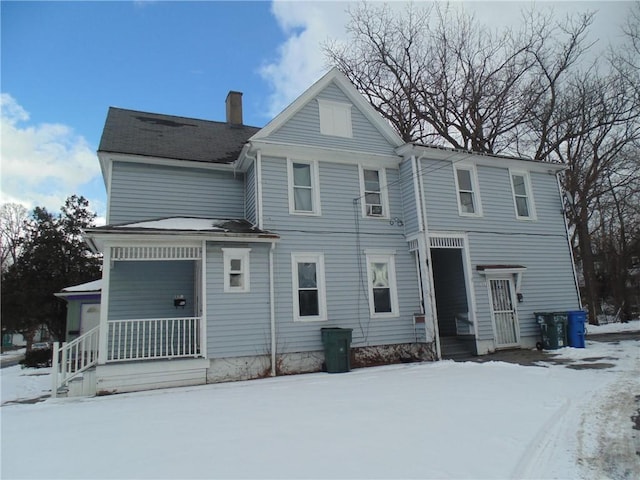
(154, 338)
(72, 358)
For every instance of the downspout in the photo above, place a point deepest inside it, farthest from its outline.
(259, 187)
(566, 229)
(272, 311)
(424, 247)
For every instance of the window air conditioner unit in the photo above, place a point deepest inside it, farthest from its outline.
(374, 210)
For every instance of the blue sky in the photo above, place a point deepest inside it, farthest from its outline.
(64, 63)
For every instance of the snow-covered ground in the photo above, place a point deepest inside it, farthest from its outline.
(431, 420)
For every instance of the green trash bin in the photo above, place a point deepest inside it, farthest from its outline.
(553, 329)
(337, 349)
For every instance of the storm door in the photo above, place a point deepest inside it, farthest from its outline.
(505, 317)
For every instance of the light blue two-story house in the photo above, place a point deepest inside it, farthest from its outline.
(228, 248)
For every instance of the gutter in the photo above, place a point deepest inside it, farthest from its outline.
(272, 308)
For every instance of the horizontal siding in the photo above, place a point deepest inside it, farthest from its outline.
(341, 234)
(346, 292)
(547, 284)
(497, 201)
(143, 191)
(147, 289)
(339, 186)
(499, 238)
(409, 206)
(238, 324)
(304, 128)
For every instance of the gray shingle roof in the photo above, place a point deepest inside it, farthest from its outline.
(168, 136)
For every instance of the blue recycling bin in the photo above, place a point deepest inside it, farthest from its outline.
(575, 328)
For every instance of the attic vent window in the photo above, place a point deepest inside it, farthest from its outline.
(335, 118)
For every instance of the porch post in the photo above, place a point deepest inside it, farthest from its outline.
(55, 363)
(104, 306)
(203, 300)
(424, 249)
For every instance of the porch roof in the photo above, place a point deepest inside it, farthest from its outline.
(89, 289)
(204, 228)
(94, 286)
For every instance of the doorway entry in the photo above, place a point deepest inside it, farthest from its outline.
(503, 311)
(453, 301)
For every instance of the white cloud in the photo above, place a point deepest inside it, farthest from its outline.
(42, 164)
(300, 59)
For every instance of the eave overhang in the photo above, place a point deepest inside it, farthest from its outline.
(454, 155)
(146, 233)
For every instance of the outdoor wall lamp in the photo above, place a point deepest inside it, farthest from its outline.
(520, 297)
(396, 221)
(179, 301)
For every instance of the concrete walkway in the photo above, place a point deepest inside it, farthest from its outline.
(535, 357)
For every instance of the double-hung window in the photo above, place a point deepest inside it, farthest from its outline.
(373, 192)
(304, 190)
(236, 269)
(383, 294)
(522, 195)
(468, 192)
(309, 298)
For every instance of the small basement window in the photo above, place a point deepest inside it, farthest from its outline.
(236, 269)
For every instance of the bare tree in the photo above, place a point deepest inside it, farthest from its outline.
(595, 137)
(440, 77)
(12, 229)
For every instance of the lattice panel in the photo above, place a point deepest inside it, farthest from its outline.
(156, 253)
(446, 242)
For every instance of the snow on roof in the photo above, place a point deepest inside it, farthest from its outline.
(181, 223)
(223, 226)
(94, 286)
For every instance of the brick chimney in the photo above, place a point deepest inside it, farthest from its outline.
(234, 108)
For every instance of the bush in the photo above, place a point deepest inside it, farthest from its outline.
(38, 358)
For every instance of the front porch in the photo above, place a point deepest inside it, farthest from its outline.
(152, 313)
(148, 353)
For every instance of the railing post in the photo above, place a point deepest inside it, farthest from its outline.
(54, 369)
(64, 363)
(203, 336)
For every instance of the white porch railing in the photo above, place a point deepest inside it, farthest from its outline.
(154, 338)
(72, 358)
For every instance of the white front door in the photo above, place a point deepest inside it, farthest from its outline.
(89, 317)
(503, 311)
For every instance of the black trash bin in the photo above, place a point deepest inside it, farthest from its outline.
(553, 329)
(337, 349)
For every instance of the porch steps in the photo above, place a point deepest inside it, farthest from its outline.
(453, 348)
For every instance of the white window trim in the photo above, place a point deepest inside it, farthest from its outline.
(318, 259)
(389, 259)
(315, 188)
(474, 185)
(384, 195)
(528, 188)
(327, 120)
(241, 254)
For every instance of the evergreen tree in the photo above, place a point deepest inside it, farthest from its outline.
(52, 256)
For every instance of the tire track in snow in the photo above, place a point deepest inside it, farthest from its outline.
(608, 445)
(542, 444)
